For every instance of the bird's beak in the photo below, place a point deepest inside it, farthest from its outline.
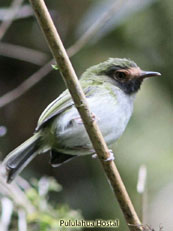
(146, 74)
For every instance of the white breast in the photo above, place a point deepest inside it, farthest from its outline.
(116, 117)
(112, 114)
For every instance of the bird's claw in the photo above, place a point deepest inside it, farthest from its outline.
(78, 120)
(110, 158)
(95, 118)
(94, 156)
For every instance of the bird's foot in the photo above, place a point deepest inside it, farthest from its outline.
(78, 119)
(95, 118)
(94, 156)
(110, 158)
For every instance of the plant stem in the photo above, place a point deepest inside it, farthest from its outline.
(80, 101)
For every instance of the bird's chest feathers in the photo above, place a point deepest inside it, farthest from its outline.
(112, 111)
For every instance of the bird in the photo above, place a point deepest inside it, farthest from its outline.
(110, 88)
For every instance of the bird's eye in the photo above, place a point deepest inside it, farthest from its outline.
(119, 75)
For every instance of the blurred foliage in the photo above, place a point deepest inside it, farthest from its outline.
(46, 215)
(143, 34)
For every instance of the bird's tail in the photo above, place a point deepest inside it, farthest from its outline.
(17, 160)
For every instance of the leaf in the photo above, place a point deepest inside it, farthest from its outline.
(55, 67)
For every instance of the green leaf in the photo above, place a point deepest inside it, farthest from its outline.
(55, 67)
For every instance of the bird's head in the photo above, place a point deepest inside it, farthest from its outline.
(123, 73)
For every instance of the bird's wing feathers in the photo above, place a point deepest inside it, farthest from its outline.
(56, 107)
(59, 105)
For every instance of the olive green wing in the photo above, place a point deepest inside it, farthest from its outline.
(59, 105)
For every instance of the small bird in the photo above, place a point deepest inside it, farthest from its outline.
(110, 88)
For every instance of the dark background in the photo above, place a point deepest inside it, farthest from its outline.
(142, 33)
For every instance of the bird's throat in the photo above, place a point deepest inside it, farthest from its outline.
(131, 86)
